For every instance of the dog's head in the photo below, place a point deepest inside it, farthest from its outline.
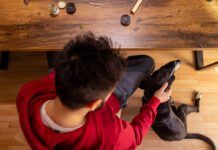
(159, 77)
(166, 73)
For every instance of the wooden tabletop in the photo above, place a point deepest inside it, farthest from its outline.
(158, 24)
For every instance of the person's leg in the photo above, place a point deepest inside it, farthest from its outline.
(138, 68)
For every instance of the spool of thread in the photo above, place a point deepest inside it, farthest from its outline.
(62, 4)
(54, 10)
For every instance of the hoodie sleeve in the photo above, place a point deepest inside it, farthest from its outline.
(113, 104)
(131, 134)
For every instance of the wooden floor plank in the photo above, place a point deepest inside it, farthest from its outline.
(25, 67)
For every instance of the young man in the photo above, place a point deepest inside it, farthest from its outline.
(75, 106)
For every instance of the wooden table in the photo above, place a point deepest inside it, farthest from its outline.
(158, 24)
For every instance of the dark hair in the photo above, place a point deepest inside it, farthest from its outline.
(87, 69)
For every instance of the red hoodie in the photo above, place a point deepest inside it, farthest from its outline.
(102, 130)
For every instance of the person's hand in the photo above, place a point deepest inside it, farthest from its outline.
(162, 95)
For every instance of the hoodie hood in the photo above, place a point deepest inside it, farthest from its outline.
(29, 101)
(27, 96)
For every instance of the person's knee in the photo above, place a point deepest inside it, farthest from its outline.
(146, 62)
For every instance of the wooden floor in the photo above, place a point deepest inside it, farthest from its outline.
(28, 66)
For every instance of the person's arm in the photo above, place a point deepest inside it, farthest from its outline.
(132, 134)
(143, 121)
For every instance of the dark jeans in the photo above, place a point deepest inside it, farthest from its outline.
(138, 68)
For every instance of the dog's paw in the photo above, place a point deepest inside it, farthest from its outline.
(197, 98)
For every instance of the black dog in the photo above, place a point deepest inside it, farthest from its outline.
(170, 123)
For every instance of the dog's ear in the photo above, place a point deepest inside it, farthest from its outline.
(160, 78)
(146, 83)
(170, 81)
(148, 94)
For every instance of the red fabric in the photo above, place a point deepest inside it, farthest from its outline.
(102, 130)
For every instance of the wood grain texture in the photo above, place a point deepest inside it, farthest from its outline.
(159, 24)
(187, 80)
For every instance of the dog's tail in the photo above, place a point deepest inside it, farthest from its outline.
(201, 137)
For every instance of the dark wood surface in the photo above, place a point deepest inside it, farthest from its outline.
(160, 24)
